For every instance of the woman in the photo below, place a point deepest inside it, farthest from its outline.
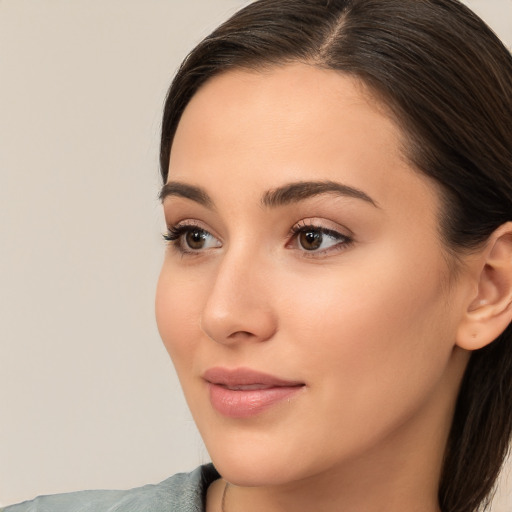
(337, 291)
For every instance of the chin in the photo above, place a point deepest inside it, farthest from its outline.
(248, 472)
(259, 461)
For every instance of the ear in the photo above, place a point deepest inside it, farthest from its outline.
(490, 312)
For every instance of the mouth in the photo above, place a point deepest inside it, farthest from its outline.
(242, 392)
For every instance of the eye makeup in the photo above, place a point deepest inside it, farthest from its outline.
(307, 236)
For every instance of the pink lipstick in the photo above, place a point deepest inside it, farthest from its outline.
(242, 392)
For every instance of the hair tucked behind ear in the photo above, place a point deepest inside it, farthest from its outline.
(447, 79)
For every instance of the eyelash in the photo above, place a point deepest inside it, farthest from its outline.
(343, 241)
(174, 232)
(175, 238)
(175, 235)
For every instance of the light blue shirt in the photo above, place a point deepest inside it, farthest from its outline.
(184, 492)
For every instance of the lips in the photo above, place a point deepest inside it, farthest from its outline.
(242, 392)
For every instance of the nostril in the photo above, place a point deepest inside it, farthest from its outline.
(230, 316)
(241, 334)
(236, 329)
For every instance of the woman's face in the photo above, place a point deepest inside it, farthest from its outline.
(304, 298)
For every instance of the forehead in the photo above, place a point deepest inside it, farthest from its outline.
(289, 123)
(285, 106)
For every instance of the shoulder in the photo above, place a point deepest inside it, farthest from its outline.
(184, 492)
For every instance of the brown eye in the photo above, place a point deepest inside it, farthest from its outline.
(310, 240)
(191, 239)
(196, 238)
(318, 240)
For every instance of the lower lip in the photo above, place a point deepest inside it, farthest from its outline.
(247, 403)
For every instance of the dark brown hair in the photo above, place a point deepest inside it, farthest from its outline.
(447, 80)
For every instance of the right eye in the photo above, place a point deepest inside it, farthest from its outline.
(189, 238)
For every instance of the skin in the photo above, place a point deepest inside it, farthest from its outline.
(369, 326)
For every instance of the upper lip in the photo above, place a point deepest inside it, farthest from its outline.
(245, 377)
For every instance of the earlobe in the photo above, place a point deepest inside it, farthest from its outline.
(490, 312)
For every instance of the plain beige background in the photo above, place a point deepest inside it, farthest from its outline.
(88, 397)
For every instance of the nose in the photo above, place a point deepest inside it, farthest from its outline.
(238, 307)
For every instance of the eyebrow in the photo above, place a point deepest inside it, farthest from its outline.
(295, 192)
(191, 192)
(280, 196)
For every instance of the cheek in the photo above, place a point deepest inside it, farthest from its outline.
(378, 293)
(374, 353)
(177, 308)
(372, 331)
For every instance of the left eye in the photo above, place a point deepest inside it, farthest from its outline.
(317, 239)
(189, 238)
(198, 239)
